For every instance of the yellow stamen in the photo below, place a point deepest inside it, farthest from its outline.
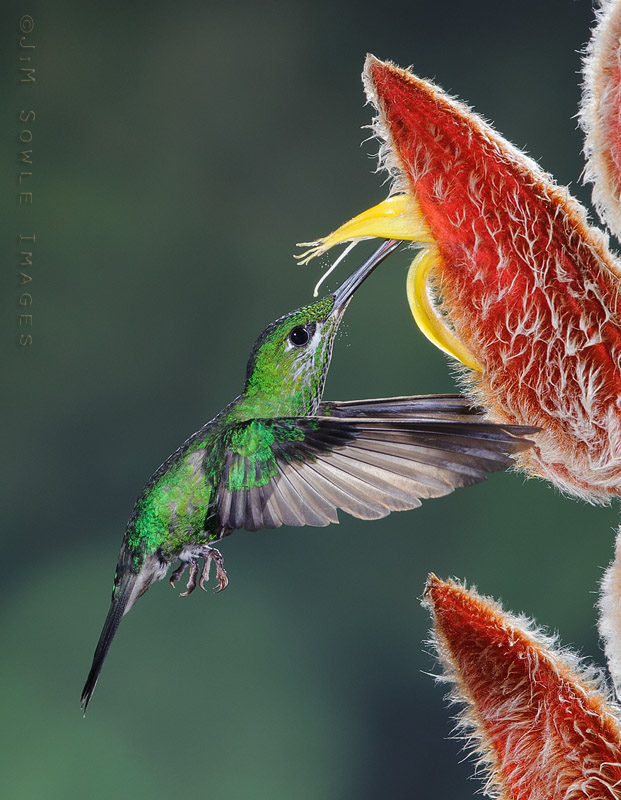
(426, 313)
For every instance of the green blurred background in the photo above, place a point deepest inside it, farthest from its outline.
(180, 151)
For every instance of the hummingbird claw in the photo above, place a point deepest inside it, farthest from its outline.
(205, 573)
(191, 585)
(178, 573)
(211, 554)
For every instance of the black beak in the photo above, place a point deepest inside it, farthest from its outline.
(345, 292)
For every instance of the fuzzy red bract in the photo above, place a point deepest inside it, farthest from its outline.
(599, 113)
(541, 725)
(529, 287)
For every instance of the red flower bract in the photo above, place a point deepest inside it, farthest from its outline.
(529, 291)
(528, 285)
(542, 725)
(511, 279)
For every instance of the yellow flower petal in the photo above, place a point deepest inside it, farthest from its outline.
(397, 217)
(426, 313)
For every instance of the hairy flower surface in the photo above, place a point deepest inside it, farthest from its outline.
(540, 724)
(609, 623)
(511, 279)
(600, 114)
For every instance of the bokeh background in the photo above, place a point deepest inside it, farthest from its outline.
(180, 150)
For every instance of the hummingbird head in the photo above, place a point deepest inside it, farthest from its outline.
(289, 362)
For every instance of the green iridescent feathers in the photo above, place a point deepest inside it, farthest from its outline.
(282, 378)
(173, 508)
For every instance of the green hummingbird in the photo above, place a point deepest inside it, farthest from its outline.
(278, 455)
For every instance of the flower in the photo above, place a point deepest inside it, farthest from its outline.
(599, 114)
(541, 725)
(510, 278)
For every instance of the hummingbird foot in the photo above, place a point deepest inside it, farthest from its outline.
(208, 554)
(191, 584)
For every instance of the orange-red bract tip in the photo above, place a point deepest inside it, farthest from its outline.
(540, 723)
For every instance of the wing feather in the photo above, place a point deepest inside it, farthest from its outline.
(392, 483)
(302, 502)
(335, 494)
(354, 492)
(367, 457)
(285, 503)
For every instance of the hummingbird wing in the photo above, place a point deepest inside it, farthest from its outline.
(367, 458)
(447, 407)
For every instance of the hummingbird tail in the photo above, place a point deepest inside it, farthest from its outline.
(120, 604)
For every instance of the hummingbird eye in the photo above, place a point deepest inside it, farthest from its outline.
(299, 336)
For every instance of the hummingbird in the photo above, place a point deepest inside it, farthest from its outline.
(279, 455)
